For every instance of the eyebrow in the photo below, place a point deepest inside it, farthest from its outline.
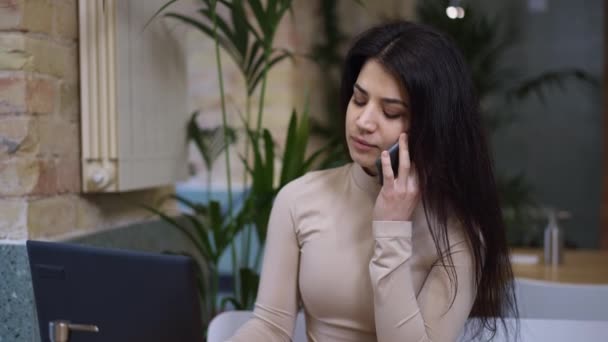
(384, 99)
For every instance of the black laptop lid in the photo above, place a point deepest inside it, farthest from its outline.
(130, 296)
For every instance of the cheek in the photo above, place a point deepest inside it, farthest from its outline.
(392, 129)
(352, 114)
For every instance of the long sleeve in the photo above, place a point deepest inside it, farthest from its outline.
(400, 313)
(277, 299)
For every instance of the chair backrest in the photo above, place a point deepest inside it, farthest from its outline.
(125, 293)
(550, 300)
(540, 330)
(224, 325)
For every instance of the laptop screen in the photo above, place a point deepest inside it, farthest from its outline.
(130, 296)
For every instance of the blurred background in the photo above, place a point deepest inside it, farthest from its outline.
(170, 126)
(538, 67)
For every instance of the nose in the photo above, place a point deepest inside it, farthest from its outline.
(366, 121)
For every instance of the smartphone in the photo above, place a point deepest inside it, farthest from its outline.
(393, 153)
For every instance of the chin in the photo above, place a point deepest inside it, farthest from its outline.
(366, 161)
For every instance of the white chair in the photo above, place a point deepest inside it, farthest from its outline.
(541, 330)
(550, 300)
(224, 325)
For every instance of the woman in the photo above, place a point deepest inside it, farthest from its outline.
(412, 259)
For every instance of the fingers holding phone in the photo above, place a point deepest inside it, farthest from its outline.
(404, 161)
(393, 163)
(387, 172)
(399, 195)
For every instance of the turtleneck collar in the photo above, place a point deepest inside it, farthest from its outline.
(369, 184)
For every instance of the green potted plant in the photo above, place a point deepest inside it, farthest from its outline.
(212, 229)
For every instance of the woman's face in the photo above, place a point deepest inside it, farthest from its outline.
(377, 113)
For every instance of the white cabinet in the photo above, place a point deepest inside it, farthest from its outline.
(133, 97)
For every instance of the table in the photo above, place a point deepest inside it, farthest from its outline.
(579, 267)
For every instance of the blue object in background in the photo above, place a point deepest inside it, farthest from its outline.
(198, 194)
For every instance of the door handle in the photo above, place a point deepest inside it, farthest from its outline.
(59, 331)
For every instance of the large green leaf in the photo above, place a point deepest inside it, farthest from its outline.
(258, 70)
(210, 142)
(232, 300)
(206, 249)
(303, 132)
(159, 11)
(223, 27)
(183, 229)
(250, 50)
(197, 208)
(269, 153)
(290, 149)
(254, 59)
(240, 23)
(249, 287)
(538, 85)
(308, 163)
(246, 33)
(261, 18)
(224, 42)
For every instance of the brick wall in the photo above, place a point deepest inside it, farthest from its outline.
(39, 129)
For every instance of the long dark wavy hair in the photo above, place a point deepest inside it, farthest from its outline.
(449, 149)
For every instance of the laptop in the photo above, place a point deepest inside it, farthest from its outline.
(127, 295)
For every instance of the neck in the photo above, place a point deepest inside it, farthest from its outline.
(365, 180)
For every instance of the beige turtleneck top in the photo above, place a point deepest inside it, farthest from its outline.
(356, 279)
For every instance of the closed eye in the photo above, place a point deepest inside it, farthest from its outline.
(393, 116)
(358, 102)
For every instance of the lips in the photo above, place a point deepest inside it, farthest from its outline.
(362, 142)
(361, 146)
